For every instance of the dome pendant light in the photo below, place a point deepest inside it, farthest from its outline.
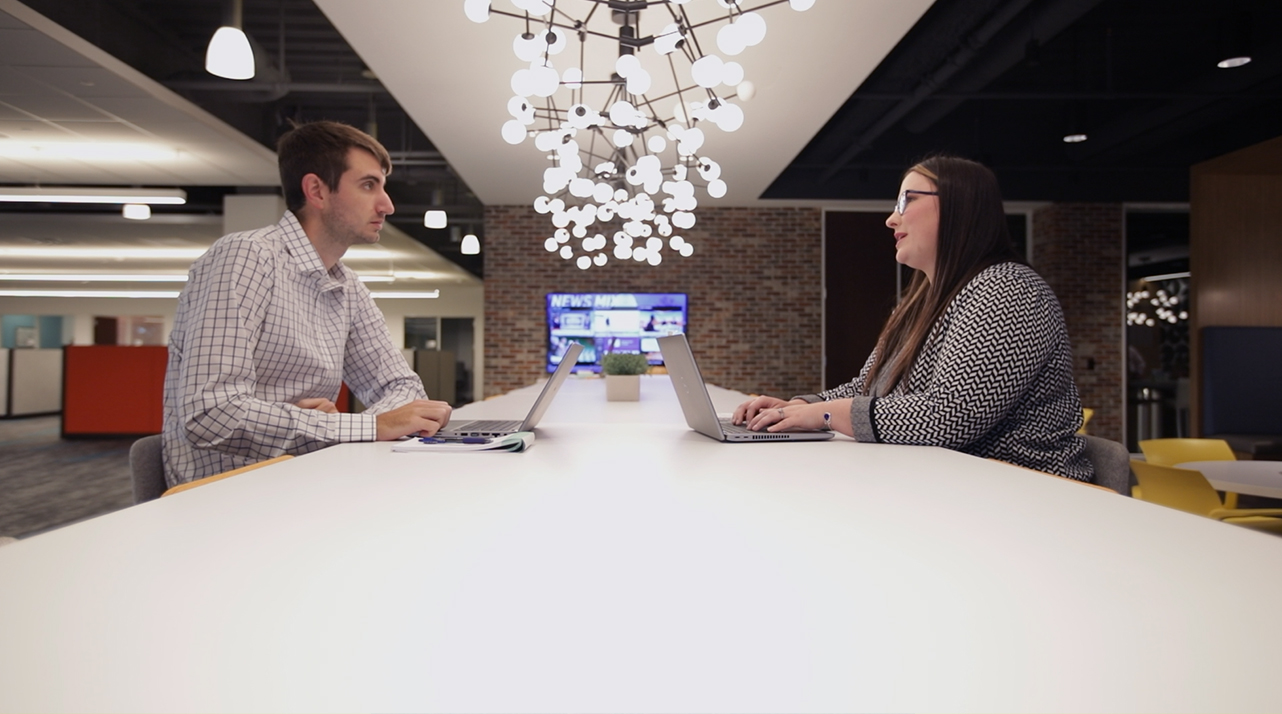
(229, 55)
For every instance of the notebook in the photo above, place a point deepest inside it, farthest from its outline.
(697, 405)
(502, 427)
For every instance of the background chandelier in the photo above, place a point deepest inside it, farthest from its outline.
(625, 158)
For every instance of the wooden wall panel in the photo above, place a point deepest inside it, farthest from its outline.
(1235, 246)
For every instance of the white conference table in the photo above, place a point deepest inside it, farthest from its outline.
(625, 563)
(1257, 478)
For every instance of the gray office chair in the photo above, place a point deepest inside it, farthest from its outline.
(1112, 464)
(148, 469)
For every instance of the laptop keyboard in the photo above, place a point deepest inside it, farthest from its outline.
(730, 427)
(486, 426)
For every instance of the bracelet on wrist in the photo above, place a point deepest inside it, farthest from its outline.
(827, 421)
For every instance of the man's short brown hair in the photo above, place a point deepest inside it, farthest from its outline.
(321, 148)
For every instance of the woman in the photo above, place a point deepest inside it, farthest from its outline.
(976, 358)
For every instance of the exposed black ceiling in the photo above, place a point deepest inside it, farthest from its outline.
(1000, 81)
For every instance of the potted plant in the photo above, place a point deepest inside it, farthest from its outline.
(623, 376)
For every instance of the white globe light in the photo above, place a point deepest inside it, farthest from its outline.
(626, 65)
(538, 8)
(731, 39)
(477, 10)
(675, 242)
(567, 252)
(690, 141)
(653, 257)
(546, 81)
(600, 259)
(731, 74)
(602, 192)
(556, 205)
(581, 187)
(686, 250)
(639, 81)
(579, 232)
(640, 255)
(707, 71)
(683, 220)
(717, 188)
(679, 113)
(668, 39)
(801, 5)
(547, 140)
(620, 195)
(657, 143)
(622, 138)
(709, 169)
(747, 90)
(572, 77)
(654, 245)
(513, 131)
(622, 252)
(583, 262)
(561, 235)
(556, 41)
(551, 245)
(753, 27)
(729, 117)
(523, 82)
(527, 49)
(679, 172)
(541, 204)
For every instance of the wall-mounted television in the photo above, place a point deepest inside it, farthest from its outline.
(611, 322)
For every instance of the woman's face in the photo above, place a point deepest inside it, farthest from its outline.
(917, 230)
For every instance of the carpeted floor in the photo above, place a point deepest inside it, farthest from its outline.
(47, 482)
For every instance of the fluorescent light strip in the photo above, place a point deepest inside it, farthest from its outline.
(160, 294)
(83, 194)
(1168, 276)
(119, 252)
(428, 294)
(92, 278)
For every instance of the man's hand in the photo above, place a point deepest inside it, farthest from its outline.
(425, 416)
(319, 404)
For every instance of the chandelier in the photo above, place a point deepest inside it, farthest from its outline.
(625, 137)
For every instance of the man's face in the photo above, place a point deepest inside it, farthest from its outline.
(355, 210)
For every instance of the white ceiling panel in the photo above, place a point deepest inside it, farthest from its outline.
(57, 107)
(85, 82)
(28, 47)
(49, 73)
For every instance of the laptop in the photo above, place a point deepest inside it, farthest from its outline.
(502, 427)
(697, 405)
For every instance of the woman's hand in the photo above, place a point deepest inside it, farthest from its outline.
(751, 408)
(800, 415)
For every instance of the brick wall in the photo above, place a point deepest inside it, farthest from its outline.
(754, 284)
(1078, 248)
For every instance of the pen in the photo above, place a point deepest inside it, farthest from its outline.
(454, 440)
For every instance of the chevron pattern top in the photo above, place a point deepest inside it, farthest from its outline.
(994, 379)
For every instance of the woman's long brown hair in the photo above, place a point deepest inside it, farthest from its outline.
(972, 236)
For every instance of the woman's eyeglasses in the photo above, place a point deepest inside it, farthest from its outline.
(902, 204)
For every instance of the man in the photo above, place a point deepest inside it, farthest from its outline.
(271, 323)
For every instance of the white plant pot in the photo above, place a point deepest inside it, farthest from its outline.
(623, 387)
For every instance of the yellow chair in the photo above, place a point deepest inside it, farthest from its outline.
(1189, 491)
(226, 474)
(1169, 452)
(1087, 413)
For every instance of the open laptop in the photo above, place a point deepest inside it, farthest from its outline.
(697, 405)
(501, 427)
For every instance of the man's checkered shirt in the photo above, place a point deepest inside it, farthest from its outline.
(260, 326)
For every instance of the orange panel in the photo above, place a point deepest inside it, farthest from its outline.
(110, 389)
